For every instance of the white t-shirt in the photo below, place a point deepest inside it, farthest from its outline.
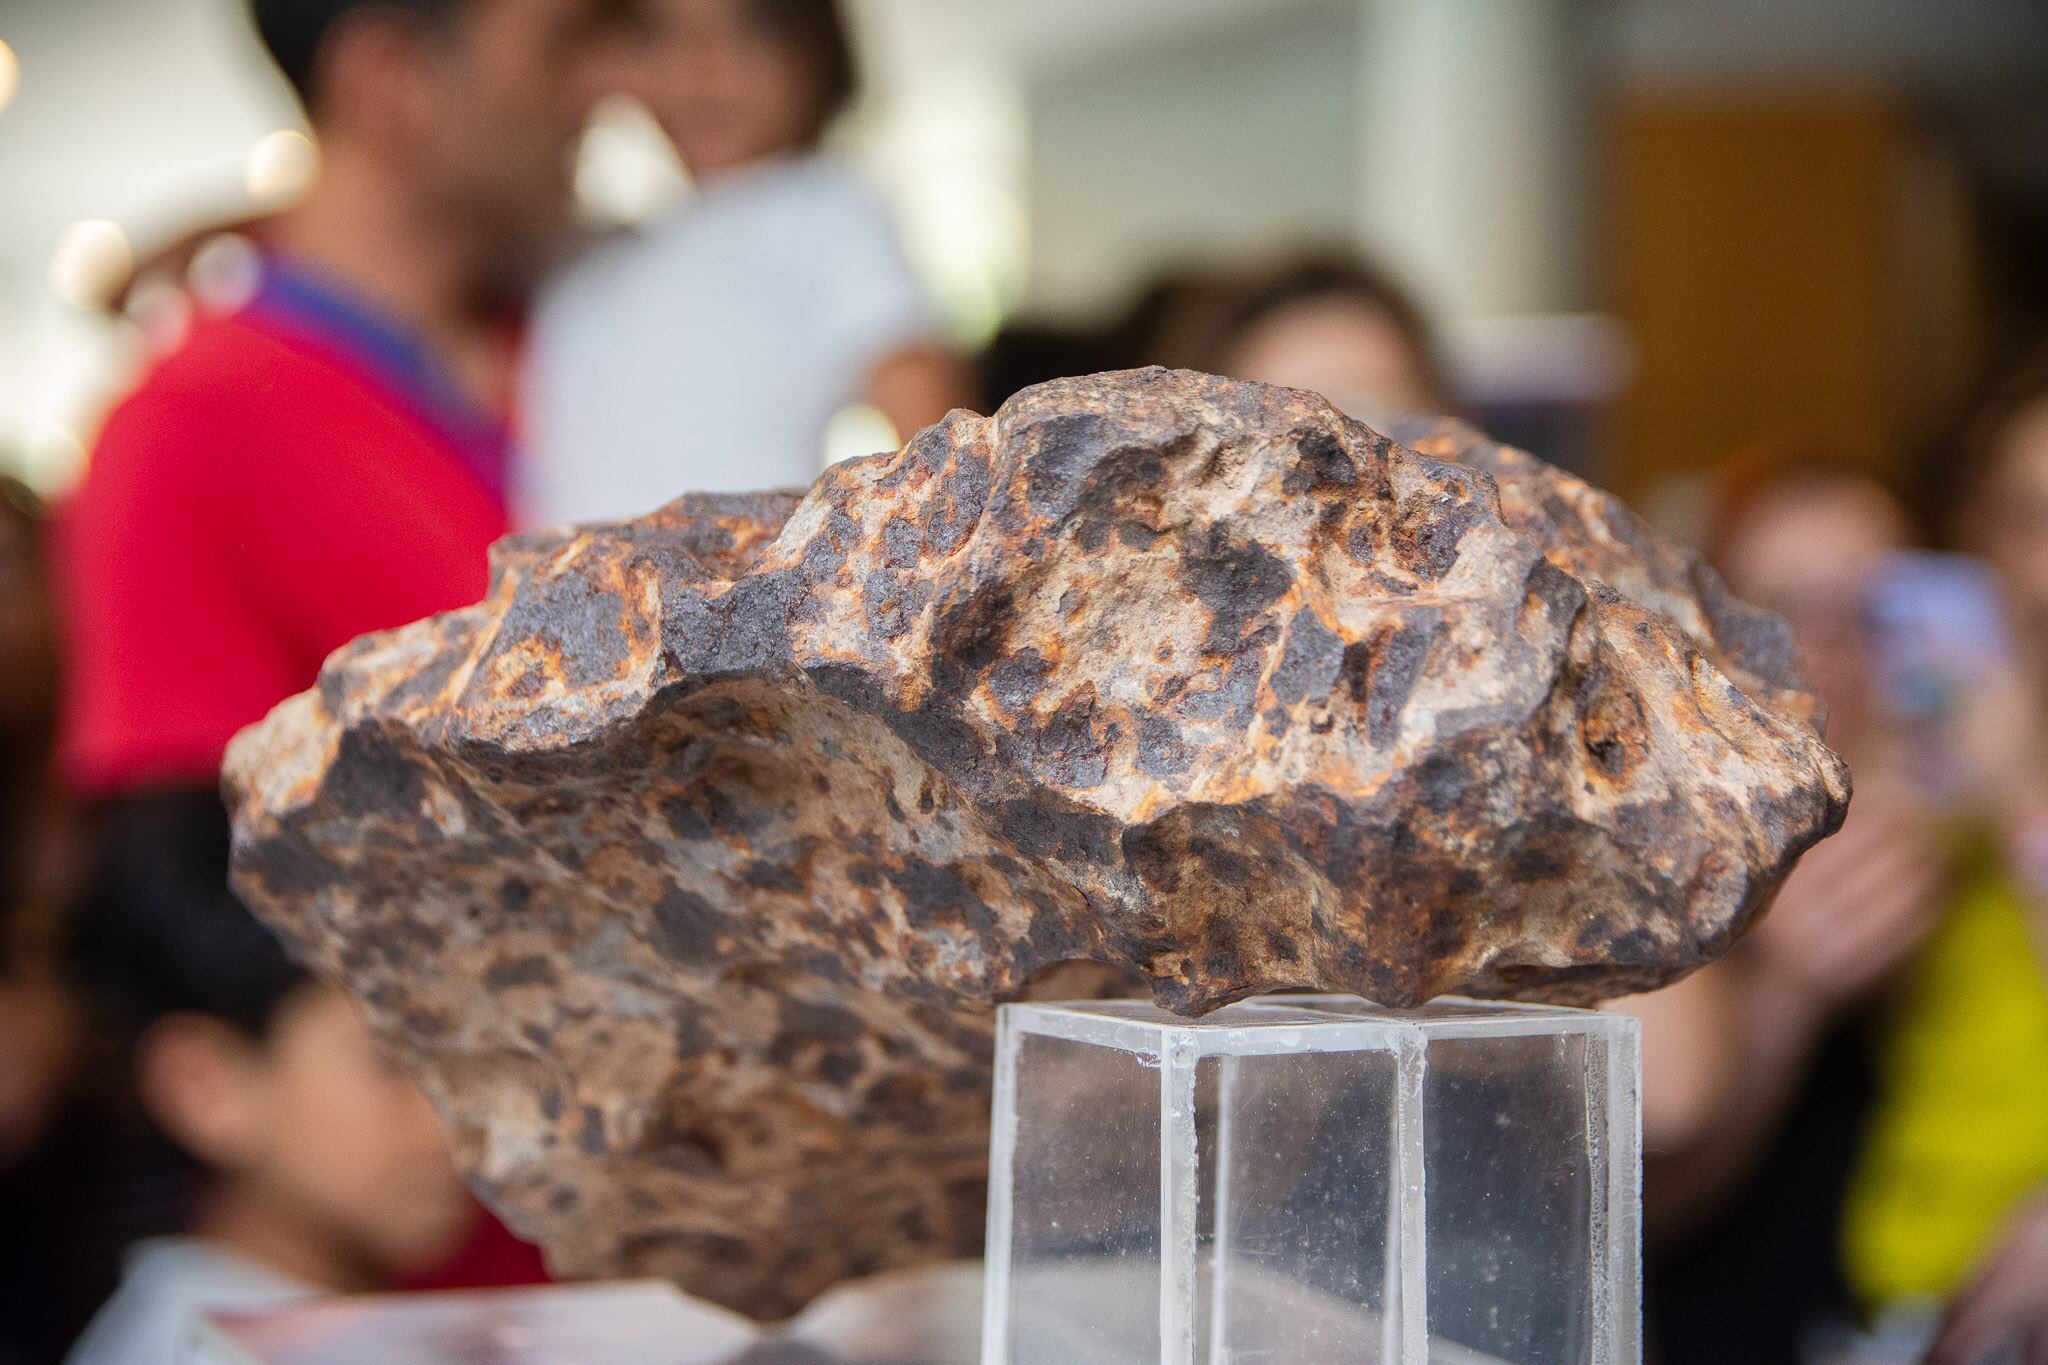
(153, 1318)
(709, 353)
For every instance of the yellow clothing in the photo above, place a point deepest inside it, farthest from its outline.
(1960, 1133)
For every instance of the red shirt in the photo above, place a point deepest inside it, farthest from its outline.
(291, 477)
(266, 495)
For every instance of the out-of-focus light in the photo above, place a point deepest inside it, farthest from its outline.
(10, 74)
(92, 260)
(953, 153)
(225, 272)
(626, 171)
(161, 311)
(281, 166)
(859, 430)
(52, 458)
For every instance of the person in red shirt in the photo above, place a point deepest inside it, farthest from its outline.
(329, 458)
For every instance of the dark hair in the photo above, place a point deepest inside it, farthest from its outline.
(1757, 474)
(294, 31)
(814, 32)
(159, 933)
(1200, 319)
(1176, 317)
(1954, 473)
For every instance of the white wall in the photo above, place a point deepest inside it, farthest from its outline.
(138, 111)
(1477, 150)
(1231, 134)
(1446, 137)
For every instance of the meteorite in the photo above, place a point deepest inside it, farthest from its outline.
(686, 870)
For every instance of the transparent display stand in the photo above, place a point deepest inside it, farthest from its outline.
(1313, 1180)
(1301, 1180)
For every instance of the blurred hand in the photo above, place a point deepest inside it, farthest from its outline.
(1857, 906)
(2006, 1306)
(1998, 747)
(2001, 758)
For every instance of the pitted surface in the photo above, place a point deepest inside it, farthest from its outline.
(687, 869)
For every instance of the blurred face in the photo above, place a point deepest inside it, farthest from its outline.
(495, 111)
(724, 88)
(318, 1129)
(1344, 349)
(2012, 521)
(1807, 552)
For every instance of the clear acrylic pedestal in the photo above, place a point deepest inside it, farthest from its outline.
(1308, 1180)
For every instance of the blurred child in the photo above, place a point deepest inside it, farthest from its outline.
(322, 1167)
(710, 353)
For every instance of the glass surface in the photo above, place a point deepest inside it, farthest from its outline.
(616, 1324)
(1297, 1199)
(1311, 1179)
(1087, 1199)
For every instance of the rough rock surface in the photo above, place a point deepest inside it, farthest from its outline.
(687, 868)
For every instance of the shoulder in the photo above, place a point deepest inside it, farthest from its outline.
(826, 179)
(224, 358)
(150, 1313)
(174, 415)
(228, 374)
(842, 231)
(228, 389)
(167, 1285)
(608, 269)
(834, 191)
(640, 278)
(807, 197)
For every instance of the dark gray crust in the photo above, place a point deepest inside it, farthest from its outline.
(687, 869)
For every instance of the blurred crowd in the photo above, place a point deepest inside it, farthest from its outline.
(1846, 1118)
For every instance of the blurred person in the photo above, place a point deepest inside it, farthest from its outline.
(1331, 324)
(1175, 306)
(1025, 353)
(328, 458)
(1991, 496)
(1758, 1071)
(1843, 1113)
(323, 1168)
(51, 1281)
(1980, 1233)
(2004, 1304)
(710, 352)
(36, 1040)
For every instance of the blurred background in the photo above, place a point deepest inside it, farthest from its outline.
(1654, 230)
(1770, 269)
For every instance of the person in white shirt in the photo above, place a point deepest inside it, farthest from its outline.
(168, 1286)
(709, 353)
